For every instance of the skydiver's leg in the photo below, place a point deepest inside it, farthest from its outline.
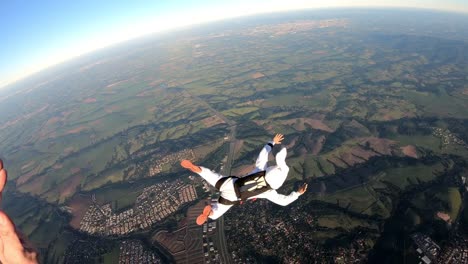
(210, 176)
(201, 219)
(227, 192)
(190, 166)
(213, 211)
(218, 210)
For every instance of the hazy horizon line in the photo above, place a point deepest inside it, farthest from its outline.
(182, 27)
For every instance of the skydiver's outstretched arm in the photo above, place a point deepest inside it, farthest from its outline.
(281, 199)
(262, 159)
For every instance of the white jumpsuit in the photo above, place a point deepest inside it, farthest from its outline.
(280, 172)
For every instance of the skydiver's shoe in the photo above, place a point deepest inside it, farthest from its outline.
(190, 166)
(281, 158)
(201, 219)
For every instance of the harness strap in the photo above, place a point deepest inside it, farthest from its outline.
(245, 187)
(225, 201)
(220, 182)
(222, 200)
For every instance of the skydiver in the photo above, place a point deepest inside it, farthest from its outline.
(261, 182)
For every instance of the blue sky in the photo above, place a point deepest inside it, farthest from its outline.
(38, 34)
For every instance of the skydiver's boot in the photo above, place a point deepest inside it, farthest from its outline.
(281, 158)
(201, 219)
(190, 166)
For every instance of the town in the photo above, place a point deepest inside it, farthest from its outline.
(456, 251)
(157, 167)
(447, 137)
(209, 249)
(132, 251)
(154, 204)
(249, 229)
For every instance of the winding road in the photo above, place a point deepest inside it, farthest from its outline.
(222, 247)
(225, 256)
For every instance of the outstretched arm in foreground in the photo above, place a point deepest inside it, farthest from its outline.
(12, 249)
(281, 199)
(262, 159)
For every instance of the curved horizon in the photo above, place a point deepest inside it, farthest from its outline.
(182, 19)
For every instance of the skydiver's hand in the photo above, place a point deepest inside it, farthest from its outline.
(278, 138)
(12, 247)
(302, 189)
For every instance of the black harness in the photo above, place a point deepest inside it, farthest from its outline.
(245, 187)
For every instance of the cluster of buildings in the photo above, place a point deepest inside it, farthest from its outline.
(209, 250)
(132, 251)
(157, 166)
(447, 137)
(187, 194)
(426, 247)
(456, 252)
(81, 251)
(291, 237)
(356, 252)
(155, 203)
(211, 253)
